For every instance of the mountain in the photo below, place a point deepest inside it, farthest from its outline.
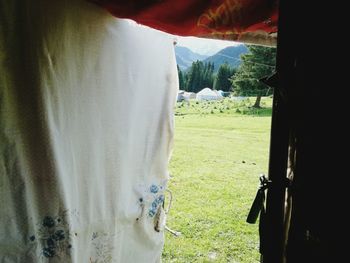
(185, 57)
(231, 55)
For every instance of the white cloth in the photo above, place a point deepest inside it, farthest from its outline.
(86, 129)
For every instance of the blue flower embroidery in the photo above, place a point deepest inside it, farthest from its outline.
(53, 236)
(59, 235)
(160, 199)
(154, 204)
(151, 212)
(50, 243)
(157, 197)
(154, 189)
(48, 252)
(48, 222)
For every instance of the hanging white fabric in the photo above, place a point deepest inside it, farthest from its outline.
(86, 130)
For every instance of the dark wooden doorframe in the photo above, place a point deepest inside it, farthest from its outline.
(272, 247)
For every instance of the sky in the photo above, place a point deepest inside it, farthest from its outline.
(204, 46)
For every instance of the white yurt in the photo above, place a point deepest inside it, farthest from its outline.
(219, 92)
(190, 95)
(208, 94)
(181, 96)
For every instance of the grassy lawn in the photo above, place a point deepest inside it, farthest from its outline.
(220, 150)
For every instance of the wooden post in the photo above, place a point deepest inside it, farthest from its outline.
(272, 239)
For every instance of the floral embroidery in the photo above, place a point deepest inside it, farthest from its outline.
(151, 212)
(49, 252)
(160, 199)
(154, 189)
(102, 247)
(48, 221)
(53, 236)
(157, 199)
(150, 198)
(53, 240)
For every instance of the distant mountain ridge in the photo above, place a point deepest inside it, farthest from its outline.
(231, 55)
(185, 57)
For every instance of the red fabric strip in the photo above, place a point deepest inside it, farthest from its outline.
(223, 19)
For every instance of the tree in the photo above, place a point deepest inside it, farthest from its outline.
(222, 81)
(199, 76)
(258, 63)
(181, 79)
(193, 77)
(208, 77)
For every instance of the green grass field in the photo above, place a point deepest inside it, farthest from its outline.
(220, 149)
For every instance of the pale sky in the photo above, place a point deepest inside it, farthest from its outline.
(204, 46)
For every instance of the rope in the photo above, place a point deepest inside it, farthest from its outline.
(175, 233)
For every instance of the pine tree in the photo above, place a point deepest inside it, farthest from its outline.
(209, 75)
(200, 75)
(258, 63)
(196, 76)
(223, 82)
(181, 79)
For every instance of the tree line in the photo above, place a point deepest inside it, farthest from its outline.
(201, 75)
(259, 62)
